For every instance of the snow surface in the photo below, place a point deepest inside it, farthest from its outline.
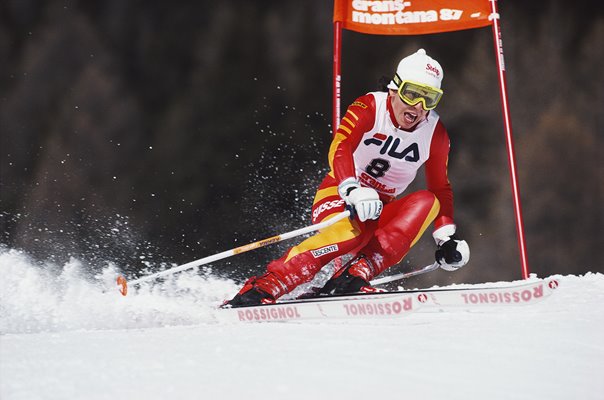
(68, 335)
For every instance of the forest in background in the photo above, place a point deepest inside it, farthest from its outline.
(142, 132)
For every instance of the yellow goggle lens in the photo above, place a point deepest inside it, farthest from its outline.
(413, 93)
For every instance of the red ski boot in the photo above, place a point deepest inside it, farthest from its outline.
(264, 289)
(353, 277)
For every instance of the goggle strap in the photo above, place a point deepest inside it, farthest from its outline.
(397, 80)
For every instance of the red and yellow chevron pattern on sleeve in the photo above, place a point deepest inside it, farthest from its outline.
(359, 118)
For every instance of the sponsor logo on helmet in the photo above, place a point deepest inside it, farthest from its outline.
(432, 69)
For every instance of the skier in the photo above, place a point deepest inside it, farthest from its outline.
(381, 142)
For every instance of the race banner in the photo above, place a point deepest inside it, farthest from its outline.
(420, 17)
(411, 17)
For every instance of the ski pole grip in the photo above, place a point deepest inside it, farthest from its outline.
(353, 212)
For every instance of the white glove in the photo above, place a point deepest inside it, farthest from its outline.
(346, 186)
(452, 253)
(365, 201)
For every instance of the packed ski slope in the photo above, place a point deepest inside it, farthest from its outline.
(65, 334)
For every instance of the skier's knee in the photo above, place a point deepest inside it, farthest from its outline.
(424, 199)
(394, 244)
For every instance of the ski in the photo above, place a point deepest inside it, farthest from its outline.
(405, 275)
(396, 304)
(327, 307)
(315, 291)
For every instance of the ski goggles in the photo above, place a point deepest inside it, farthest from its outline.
(413, 93)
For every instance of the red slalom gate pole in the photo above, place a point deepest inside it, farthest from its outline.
(337, 75)
(337, 90)
(498, 44)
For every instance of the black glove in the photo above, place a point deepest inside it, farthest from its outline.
(452, 254)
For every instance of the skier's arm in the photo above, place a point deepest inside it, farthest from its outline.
(452, 253)
(437, 178)
(359, 118)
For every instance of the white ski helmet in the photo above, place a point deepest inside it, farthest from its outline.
(420, 68)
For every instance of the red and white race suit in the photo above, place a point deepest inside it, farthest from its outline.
(369, 145)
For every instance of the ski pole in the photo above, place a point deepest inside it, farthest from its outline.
(123, 283)
(404, 275)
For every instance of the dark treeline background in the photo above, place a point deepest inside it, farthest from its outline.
(143, 132)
